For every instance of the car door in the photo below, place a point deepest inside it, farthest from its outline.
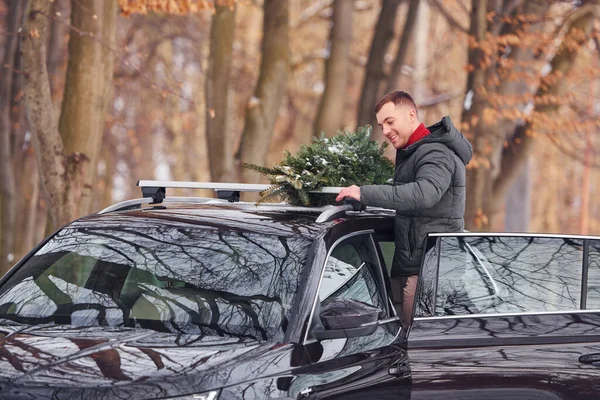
(506, 316)
(371, 366)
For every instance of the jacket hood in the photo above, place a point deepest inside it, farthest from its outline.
(445, 132)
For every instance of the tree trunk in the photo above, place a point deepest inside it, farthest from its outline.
(198, 152)
(7, 174)
(515, 155)
(421, 43)
(218, 132)
(330, 116)
(56, 48)
(584, 225)
(105, 185)
(488, 135)
(478, 183)
(65, 167)
(519, 197)
(47, 143)
(518, 203)
(374, 72)
(489, 182)
(88, 86)
(264, 105)
(28, 188)
(166, 53)
(409, 27)
(27, 175)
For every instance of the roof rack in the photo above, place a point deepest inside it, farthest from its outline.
(154, 192)
(225, 191)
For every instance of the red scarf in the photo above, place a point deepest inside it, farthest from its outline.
(417, 135)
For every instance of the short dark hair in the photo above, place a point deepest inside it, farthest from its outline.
(397, 97)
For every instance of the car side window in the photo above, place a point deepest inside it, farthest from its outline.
(353, 272)
(482, 275)
(387, 252)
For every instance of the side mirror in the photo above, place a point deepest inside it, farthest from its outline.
(347, 318)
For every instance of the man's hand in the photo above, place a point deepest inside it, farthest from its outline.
(350, 191)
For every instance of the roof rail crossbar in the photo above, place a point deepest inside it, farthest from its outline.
(225, 191)
(137, 203)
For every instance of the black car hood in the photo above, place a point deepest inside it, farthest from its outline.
(99, 362)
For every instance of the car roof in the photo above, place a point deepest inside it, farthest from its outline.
(268, 218)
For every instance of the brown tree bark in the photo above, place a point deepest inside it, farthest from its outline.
(488, 137)
(374, 72)
(330, 116)
(517, 216)
(26, 175)
(218, 132)
(197, 155)
(7, 173)
(515, 154)
(56, 41)
(497, 166)
(407, 32)
(584, 221)
(47, 143)
(173, 120)
(108, 154)
(264, 105)
(28, 187)
(478, 182)
(421, 57)
(65, 167)
(88, 87)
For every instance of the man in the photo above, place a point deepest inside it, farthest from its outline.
(428, 192)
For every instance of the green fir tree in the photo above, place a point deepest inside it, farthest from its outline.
(348, 158)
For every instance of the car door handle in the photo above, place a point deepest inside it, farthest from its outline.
(399, 369)
(306, 392)
(590, 358)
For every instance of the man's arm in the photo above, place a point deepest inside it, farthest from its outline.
(434, 170)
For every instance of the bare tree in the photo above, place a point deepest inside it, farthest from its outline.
(330, 116)
(501, 147)
(407, 32)
(58, 30)
(218, 131)
(7, 173)
(65, 159)
(88, 85)
(375, 74)
(263, 107)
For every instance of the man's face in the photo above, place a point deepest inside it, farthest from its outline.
(397, 122)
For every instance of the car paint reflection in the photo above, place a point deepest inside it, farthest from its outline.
(137, 364)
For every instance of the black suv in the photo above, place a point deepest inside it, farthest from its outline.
(191, 298)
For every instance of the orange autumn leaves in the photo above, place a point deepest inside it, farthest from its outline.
(129, 7)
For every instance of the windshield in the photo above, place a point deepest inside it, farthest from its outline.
(167, 279)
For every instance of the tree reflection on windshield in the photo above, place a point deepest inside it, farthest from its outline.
(168, 279)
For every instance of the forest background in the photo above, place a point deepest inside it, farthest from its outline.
(96, 94)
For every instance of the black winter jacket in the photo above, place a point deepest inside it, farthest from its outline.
(428, 193)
